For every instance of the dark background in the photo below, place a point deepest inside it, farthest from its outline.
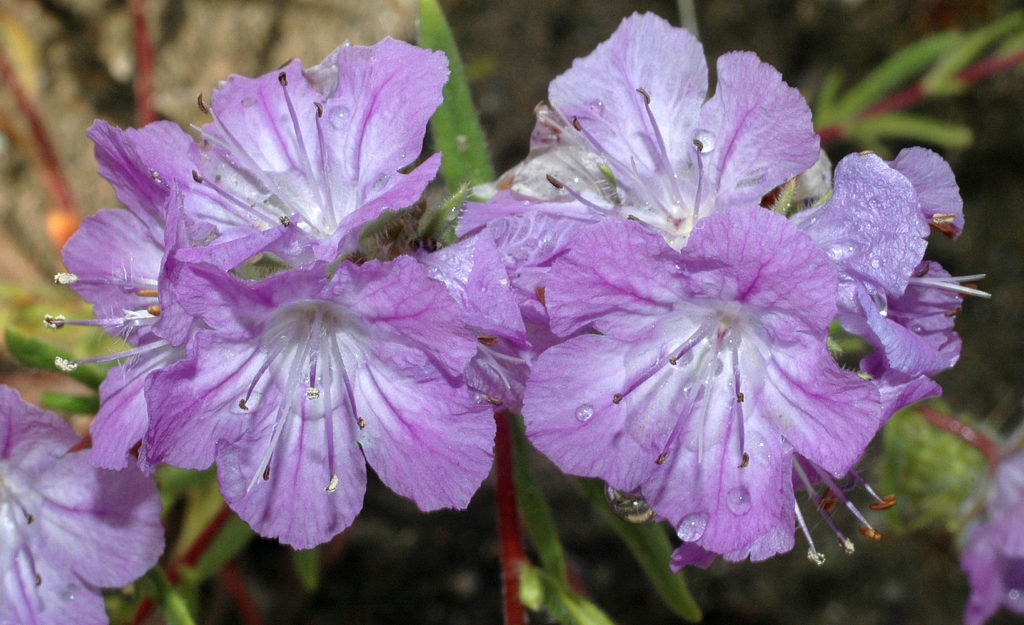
(396, 565)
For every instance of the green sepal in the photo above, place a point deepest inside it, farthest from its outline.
(931, 471)
(36, 354)
(307, 566)
(156, 586)
(653, 552)
(70, 404)
(439, 224)
(540, 589)
(455, 126)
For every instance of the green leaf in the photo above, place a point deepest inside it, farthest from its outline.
(155, 585)
(232, 538)
(825, 103)
(897, 70)
(914, 128)
(557, 598)
(175, 483)
(439, 224)
(307, 563)
(70, 404)
(39, 355)
(653, 552)
(941, 79)
(455, 126)
(533, 507)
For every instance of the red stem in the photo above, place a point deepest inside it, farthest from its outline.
(189, 558)
(916, 93)
(143, 84)
(964, 432)
(512, 555)
(54, 181)
(235, 585)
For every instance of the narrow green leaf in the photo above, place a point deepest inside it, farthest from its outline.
(941, 78)
(155, 585)
(232, 538)
(455, 126)
(306, 563)
(558, 599)
(653, 552)
(39, 355)
(894, 72)
(70, 404)
(532, 506)
(174, 483)
(825, 102)
(915, 128)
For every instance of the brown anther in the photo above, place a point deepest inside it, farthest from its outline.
(490, 400)
(153, 309)
(202, 105)
(53, 322)
(947, 229)
(576, 124)
(39, 580)
(242, 404)
(283, 79)
(616, 398)
(146, 293)
(319, 109)
(662, 458)
(746, 460)
(197, 177)
(887, 502)
(554, 182)
(953, 313)
(647, 96)
(285, 221)
(361, 423)
(29, 518)
(924, 272)
(870, 533)
(739, 397)
(266, 473)
(828, 501)
(865, 153)
(540, 296)
(673, 361)
(943, 218)
(697, 143)
(632, 217)
(487, 339)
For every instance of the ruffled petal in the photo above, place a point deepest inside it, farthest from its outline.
(938, 194)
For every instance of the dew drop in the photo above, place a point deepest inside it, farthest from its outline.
(1015, 595)
(738, 500)
(380, 182)
(596, 107)
(337, 116)
(248, 102)
(584, 413)
(692, 527)
(704, 141)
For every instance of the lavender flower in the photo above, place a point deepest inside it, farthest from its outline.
(66, 529)
(707, 374)
(296, 161)
(993, 556)
(309, 374)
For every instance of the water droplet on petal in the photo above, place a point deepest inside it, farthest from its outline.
(692, 527)
(738, 500)
(596, 107)
(1015, 594)
(380, 182)
(584, 412)
(337, 116)
(704, 141)
(248, 101)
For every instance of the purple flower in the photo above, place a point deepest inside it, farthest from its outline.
(67, 529)
(298, 160)
(708, 371)
(306, 376)
(994, 553)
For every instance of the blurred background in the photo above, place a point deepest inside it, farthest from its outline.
(75, 60)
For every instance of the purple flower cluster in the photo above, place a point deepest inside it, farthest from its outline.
(67, 529)
(993, 556)
(684, 258)
(269, 338)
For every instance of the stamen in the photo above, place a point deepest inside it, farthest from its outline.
(664, 162)
(146, 293)
(53, 322)
(812, 553)
(487, 339)
(333, 484)
(68, 366)
(616, 398)
(300, 145)
(558, 184)
(202, 105)
(153, 309)
(65, 365)
(953, 283)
